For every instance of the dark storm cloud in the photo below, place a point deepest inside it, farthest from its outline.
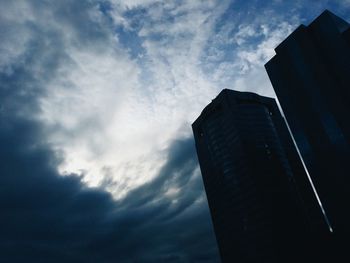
(180, 226)
(49, 218)
(44, 217)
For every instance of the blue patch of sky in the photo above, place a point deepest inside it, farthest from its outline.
(129, 37)
(221, 47)
(131, 42)
(105, 7)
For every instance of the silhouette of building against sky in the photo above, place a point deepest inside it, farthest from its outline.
(248, 163)
(310, 74)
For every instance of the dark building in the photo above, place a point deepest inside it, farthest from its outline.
(248, 163)
(310, 74)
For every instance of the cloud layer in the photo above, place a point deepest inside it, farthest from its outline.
(114, 82)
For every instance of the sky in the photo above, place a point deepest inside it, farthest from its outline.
(96, 103)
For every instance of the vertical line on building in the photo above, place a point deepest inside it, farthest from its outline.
(307, 173)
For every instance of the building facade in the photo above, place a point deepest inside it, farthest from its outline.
(249, 165)
(310, 74)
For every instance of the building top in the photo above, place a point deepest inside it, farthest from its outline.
(233, 96)
(325, 17)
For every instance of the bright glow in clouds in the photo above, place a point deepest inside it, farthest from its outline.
(107, 124)
(112, 116)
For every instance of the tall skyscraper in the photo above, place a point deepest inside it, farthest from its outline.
(248, 163)
(310, 74)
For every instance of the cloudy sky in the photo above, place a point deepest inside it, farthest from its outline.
(96, 104)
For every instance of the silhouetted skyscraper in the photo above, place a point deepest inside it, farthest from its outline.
(248, 163)
(310, 74)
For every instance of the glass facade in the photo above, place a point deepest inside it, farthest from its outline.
(310, 74)
(249, 164)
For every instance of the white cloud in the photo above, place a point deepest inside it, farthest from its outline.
(102, 117)
(111, 116)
